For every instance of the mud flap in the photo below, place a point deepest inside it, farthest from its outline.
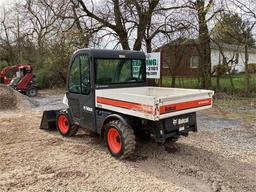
(48, 121)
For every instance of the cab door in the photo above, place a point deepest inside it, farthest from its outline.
(80, 95)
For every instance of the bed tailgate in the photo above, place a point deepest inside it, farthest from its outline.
(173, 106)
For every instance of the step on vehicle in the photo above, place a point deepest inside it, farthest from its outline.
(107, 93)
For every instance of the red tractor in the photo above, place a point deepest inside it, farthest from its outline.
(20, 77)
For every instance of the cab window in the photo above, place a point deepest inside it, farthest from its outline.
(79, 78)
(74, 76)
(116, 71)
(85, 74)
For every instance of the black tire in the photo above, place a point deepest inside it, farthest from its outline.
(70, 128)
(126, 139)
(172, 140)
(31, 91)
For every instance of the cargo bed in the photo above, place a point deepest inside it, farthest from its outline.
(153, 103)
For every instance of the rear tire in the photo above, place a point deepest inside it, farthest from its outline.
(172, 140)
(120, 139)
(65, 126)
(31, 91)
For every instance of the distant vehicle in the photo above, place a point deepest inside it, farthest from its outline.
(107, 93)
(20, 77)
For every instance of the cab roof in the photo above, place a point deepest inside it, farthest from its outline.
(113, 54)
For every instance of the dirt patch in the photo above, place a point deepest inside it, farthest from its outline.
(10, 99)
(219, 158)
(36, 160)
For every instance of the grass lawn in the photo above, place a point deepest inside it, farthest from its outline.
(225, 85)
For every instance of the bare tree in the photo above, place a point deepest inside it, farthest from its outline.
(202, 8)
(243, 36)
(128, 18)
(227, 63)
(166, 23)
(10, 38)
(45, 23)
(5, 41)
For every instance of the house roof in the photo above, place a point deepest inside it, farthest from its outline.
(213, 45)
(231, 47)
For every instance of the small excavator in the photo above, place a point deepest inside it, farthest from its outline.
(20, 77)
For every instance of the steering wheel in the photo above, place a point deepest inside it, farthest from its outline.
(131, 79)
(75, 88)
(85, 82)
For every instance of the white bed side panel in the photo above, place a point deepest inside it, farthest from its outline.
(146, 102)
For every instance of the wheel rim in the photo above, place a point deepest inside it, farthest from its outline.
(63, 124)
(32, 92)
(114, 140)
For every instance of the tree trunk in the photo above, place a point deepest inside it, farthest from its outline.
(231, 81)
(148, 45)
(173, 81)
(40, 49)
(141, 31)
(247, 77)
(123, 38)
(204, 49)
(218, 81)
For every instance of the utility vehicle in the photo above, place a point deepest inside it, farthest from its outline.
(20, 77)
(107, 93)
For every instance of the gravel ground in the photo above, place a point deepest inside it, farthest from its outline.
(43, 103)
(220, 157)
(12, 100)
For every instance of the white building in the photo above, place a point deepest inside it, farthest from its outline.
(234, 54)
(182, 58)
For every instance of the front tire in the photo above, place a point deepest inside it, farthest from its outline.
(32, 91)
(65, 126)
(120, 139)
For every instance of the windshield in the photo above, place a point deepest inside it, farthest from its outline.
(115, 71)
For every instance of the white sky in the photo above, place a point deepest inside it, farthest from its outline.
(2, 2)
(7, 2)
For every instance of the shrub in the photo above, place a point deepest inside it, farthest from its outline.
(220, 70)
(251, 67)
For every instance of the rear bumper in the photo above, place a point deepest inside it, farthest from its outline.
(173, 127)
